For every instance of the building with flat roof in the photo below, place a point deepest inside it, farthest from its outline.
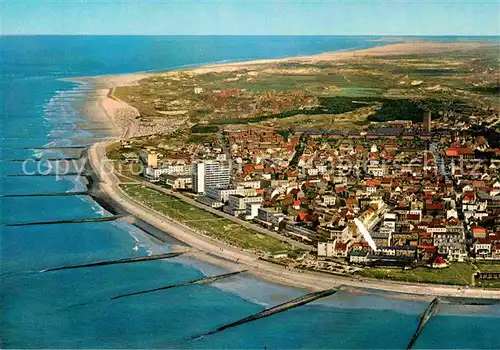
(167, 169)
(177, 182)
(252, 210)
(427, 121)
(210, 173)
(220, 193)
(152, 160)
(237, 204)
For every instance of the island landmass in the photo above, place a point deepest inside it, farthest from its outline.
(375, 168)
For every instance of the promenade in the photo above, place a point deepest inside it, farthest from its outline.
(233, 259)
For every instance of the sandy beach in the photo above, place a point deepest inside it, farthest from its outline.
(231, 258)
(122, 116)
(407, 48)
(104, 107)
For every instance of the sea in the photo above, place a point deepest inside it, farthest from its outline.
(73, 308)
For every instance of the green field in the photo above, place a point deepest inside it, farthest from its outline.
(203, 221)
(488, 283)
(488, 266)
(456, 273)
(202, 138)
(390, 109)
(327, 94)
(201, 129)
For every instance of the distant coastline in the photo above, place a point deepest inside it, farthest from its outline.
(117, 112)
(120, 115)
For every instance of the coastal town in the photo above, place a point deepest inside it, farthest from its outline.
(250, 174)
(400, 182)
(398, 196)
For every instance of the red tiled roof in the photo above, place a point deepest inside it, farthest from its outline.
(424, 234)
(452, 152)
(372, 182)
(434, 205)
(340, 246)
(478, 229)
(468, 197)
(494, 236)
(428, 248)
(248, 168)
(350, 201)
(413, 217)
(483, 241)
(458, 151)
(439, 260)
(294, 191)
(303, 216)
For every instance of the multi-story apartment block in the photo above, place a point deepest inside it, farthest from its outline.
(221, 194)
(210, 173)
(237, 203)
(168, 169)
(177, 182)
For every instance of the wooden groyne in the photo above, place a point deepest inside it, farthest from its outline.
(74, 173)
(56, 147)
(70, 221)
(83, 174)
(204, 280)
(305, 299)
(115, 262)
(41, 159)
(428, 313)
(56, 194)
(471, 301)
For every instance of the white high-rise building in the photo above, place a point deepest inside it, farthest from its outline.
(210, 173)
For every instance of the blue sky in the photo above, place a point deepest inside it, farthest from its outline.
(334, 17)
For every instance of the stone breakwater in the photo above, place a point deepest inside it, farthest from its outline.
(233, 258)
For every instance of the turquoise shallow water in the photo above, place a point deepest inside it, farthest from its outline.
(70, 309)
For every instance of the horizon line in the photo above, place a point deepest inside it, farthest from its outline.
(324, 35)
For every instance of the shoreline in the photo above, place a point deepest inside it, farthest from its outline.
(231, 258)
(405, 46)
(210, 251)
(122, 117)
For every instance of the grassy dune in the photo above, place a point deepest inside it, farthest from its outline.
(456, 274)
(205, 222)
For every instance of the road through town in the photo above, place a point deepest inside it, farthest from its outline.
(210, 250)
